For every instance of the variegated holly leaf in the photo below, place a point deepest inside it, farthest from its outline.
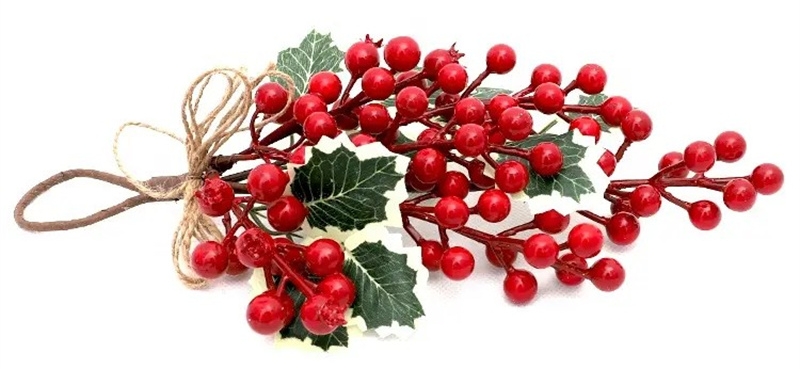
(592, 100)
(315, 53)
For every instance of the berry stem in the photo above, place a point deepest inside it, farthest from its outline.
(581, 109)
(477, 82)
(562, 266)
(302, 284)
(531, 225)
(622, 148)
(593, 217)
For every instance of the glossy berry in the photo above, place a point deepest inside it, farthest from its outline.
(428, 135)
(704, 215)
(469, 110)
(324, 257)
(585, 240)
(636, 126)
(767, 178)
(645, 200)
(614, 109)
(568, 278)
(623, 228)
(437, 59)
(520, 286)
(494, 205)
(319, 124)
(235, 266)
(500, 59)
(452, 78)
(457, 263)
(672, 158)
(515, 123)
(306, 105)
(451, 212)
(374, 118)
(362, 139)
(428, 165)
(414, 182)
(402, 53)
(511, 176)
(431, 254)
(215, 197)
(321, 315)
(271, 98)
(739, 195)
(348, 121)
(267, 182)
(453, 183)
(548, 98)
(286, 214)
(268, 312)
(419, 82)
(326, 85)
(471, 140)
(544, 73)
(699, 156)
(607, 274)
(291, 254)
(540, 250)
(209, 259)
(298, 156)
(591, 79)
(587, 126)
(411, 102)
(495, 136)
(730, 146)
(339, 288)
(551, 221)
(608, 163)
(498, 104)
(500, 257)
(361, 56)
(546, 159)
(479, 179)
(255, 248)
(377, 83)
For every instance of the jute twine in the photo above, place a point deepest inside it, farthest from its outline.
(204, 137)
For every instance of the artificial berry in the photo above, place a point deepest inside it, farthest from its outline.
(548, 98)
(469, 110)
(546, 159)
(551, 221)
(544, 73)
(288, 113)
(286, 214)
(495, 136)
(520, 286)
(402, 53)
(499, 104)
(739, 195)
(607, 162)
(767, 178)
(235, 266)
(271, 98)
(451, 212)
(500, 59)
(452, 78)
(569, 278)
(428, 165)
(431, 254)
(377, 83)
(623, 228)
(511, 176)
(306, 105)
(672, 158)
(614, 109)
(704, 215)
(585, 240)
(477, 176)
(428, 135)
(361, 56)
(587, 126)
(215, 197)
(494, 205)
(699, 156)
(298, 156)
(319, 124)
(435, 60)
(453, 183)
(326, 85)
(500, 257)
(348, 121)
(291, 254)
(255, 248)
(321, 315)
(362, 139)
(267, 182)
(591, 79)
(730, 146)
(209, 259)
(540, 250)
(636, 126)
(415, 184)
(457, 263)
(515, 123)
(269, 312)
(645, 200)
(411, 102)
(443, 100)
(606, 274)
(471, 140)
(374, 118)
(407, 75)
(324, 257)
(339, 288)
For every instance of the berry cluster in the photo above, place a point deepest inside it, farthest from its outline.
(462, 130)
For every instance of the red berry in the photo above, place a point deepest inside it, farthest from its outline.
(414, 183)
(408, 74)
(452, 78)
(511, 176)
(608, 163)
(402, 53)
(494, 205)
(495, 136)
(546, 159)
(540, 250)
(551, 221)
(319, 124)
(291, 253)
(286, 214)
(435, 60)
(451, 212)
(699, 156)
(614, 109)
(568, 278)
(607, 274)
(500, 257)
(431, 254)
(339, 288)
(672, 158)
(623, 228)
(446, 99)
(374, 118)
(471, 140)
(215, 198)
(209, 259)
(544, 73)
(428, 165)
(411, 102)
(321, 315)
(705, 215)
(378, 83)
(645, 200)
(767, 178)
(268, 312)
(587, 126)
(475, 168)
(298, 156)
(498, 104)
(307, 105)
(591, 79)
(469, 110)
(457, 263)
(520, 286)
(500, 59)
(585, 240)
(362, 139)
(361, 56)
(348, 121)
(271, 98)
(255, 248)
(327, 85)
(516, 123)
(428, 135)
(637, 125)
(730, 146)
(739, 195)
(548, 98)
(453, 183)
(267, 182)
(324, 257)
(235, 266)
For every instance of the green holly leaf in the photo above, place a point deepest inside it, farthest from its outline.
(316, 53)
(295, 329)
(593, 100)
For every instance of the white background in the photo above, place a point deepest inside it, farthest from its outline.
(106, 296)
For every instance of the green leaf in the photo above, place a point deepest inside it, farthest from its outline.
(571, 181)
(384, 286)
(295, 329)
(593, 100)
(316, 53)
(340, 190)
